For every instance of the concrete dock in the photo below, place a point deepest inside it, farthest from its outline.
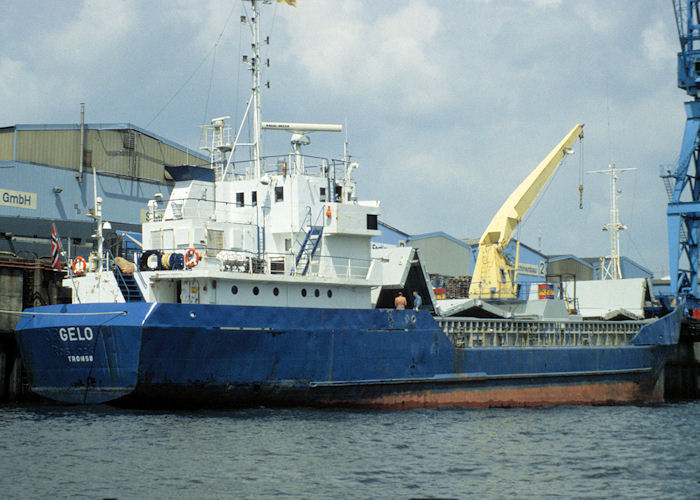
(23, 283)
(682, 374)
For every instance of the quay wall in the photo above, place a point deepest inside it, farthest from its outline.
(682, 372)
(23, 283)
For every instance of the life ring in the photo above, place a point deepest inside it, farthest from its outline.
(191, 257)
(79, 265)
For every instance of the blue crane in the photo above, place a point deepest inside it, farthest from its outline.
(683, 180)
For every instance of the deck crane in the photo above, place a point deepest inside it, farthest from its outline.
(683, 181)
(493, 276)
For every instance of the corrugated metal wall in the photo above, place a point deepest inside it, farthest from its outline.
(442, 256)
(49, 147)
(7, 145)
(126, 153)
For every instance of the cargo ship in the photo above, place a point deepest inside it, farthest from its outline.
(257, 284)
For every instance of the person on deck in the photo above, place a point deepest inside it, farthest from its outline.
(417, 301)
(400, 301)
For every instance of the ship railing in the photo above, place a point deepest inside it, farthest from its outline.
(476, 332)
(283, 165)
(250, 262)
(186, 208)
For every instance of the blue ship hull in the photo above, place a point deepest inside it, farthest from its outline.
(176, 355)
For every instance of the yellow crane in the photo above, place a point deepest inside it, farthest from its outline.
(493, 277)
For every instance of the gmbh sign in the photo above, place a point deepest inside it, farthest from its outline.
(18, 199)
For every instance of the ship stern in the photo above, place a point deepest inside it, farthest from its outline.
(82, 353)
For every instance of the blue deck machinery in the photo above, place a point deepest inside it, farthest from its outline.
(683, 180)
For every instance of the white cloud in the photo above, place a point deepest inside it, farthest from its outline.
(656, 43)
(392, 59)
(450, 104)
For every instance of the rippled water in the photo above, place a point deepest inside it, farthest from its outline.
(582, 452)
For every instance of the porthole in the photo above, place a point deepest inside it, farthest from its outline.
(330, 293)
(316, 293)
(303, 292)
(256, 290)
(276, 291)
(234, 289)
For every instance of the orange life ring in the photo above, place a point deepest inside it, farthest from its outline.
(191, 257)
(79, 265)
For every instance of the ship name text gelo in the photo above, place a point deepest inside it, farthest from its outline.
(75, 333)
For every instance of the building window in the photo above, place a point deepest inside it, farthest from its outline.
(254, 198)
(240, 199)
(371, 221)
(279, 193)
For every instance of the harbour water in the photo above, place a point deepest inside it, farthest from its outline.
(579, 452)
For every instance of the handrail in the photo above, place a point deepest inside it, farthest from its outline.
(248, 262)
(117, 273)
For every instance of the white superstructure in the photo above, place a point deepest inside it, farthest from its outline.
(282, 231)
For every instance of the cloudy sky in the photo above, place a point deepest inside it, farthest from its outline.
(448, 104)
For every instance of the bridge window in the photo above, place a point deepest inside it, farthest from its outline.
(279, 193)
(371, 221)
(323, 194)
(254, 198)
(240, 199)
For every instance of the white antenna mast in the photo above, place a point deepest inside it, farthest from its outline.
(255, 100)
(257, 104)
(610, 265)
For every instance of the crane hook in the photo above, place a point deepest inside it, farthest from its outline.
(580, 196)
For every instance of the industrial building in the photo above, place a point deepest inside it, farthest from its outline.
(562, 268)
(443, 254)
(450, 262)
(628, 268)
(46, 175)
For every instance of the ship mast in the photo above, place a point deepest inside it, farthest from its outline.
(255, 101)
(256, 97)
(610, 265)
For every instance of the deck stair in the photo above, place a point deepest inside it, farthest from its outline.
(128, 286)
(308, 248)
(312, 233)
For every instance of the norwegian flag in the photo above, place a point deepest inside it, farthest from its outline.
(55, 249)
